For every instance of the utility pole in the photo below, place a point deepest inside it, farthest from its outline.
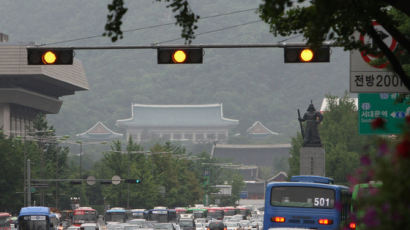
(28, 183)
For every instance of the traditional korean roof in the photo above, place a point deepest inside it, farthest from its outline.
(208, 115)
(99, 132)
(260, 155)
(259, 129)
(280, 176)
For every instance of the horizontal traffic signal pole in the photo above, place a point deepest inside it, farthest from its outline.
(213, 46)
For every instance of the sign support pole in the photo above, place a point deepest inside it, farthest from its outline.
(28, 183)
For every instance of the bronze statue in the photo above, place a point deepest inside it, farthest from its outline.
(311, 133)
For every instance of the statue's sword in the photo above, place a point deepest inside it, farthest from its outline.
(301, 127)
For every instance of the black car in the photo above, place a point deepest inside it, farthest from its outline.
(217, 225)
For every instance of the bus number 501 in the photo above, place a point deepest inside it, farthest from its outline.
(321, 202)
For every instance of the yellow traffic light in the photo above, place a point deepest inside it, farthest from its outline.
(179, 56)
(306, 55)
(49, 57)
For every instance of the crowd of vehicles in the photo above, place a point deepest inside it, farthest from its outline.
(305, 202)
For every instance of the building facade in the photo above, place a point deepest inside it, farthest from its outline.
(193, 123)
(29, 90)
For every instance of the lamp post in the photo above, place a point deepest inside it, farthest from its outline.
(81, 153)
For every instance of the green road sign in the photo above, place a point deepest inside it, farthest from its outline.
(33, 190)
(381, 105)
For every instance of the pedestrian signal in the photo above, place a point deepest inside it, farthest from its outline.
(51, 56)
(180, 55)
(306, 54)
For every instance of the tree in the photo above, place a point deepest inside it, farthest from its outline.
(317, 20)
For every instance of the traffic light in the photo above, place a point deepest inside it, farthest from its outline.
(133, 181)
(73, 182)
(53, 56)
(106, 182)
(179, 55)
(306, 54)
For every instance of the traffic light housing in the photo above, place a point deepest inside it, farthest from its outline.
(179, 55)
(74, 182)
(50, 56)
(133, 181)
(106, 182)
(306, 54)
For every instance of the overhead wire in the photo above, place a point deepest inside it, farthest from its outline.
(145, 27)
(212, 31)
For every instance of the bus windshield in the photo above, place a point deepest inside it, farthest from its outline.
(115, 217)
(85, 216)
(313, 197)
(216, 214)
(4, 221)
(28, 223)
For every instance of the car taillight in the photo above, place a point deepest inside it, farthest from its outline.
(325, 221)
(278, 219)
(352, 225)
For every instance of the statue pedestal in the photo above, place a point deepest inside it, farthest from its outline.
(312, 161)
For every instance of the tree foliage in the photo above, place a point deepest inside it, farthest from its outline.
(48, 160)
(185, 18)
(385, 206)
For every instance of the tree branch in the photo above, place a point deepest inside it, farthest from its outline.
(400, 5)
(390, 56)
(387, 23)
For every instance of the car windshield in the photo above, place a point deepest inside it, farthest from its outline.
(231, 224)
(165, 226)
(186, 223)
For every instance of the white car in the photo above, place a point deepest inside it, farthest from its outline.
(72, 227)
(200, 226)
(89, 226)
(233, 226)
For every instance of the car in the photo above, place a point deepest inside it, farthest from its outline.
(72, 227)
(217, 225)
(164, 226)
(233, 226)
(89, 226)
(187, 224)
(200, 226)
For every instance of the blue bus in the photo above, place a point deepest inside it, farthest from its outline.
(306, 202)
(116, 215)
(35, 218)
(162, 215)
(138, 214)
